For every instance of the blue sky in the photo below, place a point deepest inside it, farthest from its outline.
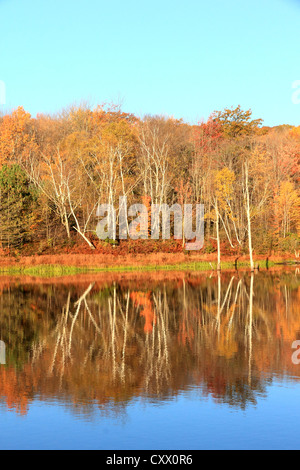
(180, 58)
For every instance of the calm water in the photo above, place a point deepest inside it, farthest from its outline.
(181, 361)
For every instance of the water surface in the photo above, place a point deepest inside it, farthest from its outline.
(175, 361)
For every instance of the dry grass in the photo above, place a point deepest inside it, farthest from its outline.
(126, 260)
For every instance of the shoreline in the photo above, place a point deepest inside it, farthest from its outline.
(62, 265)
(132, 279)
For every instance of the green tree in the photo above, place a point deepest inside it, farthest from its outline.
(18, 204)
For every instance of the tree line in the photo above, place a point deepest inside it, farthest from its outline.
(56, 169)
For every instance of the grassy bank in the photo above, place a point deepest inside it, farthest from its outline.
(45, 270)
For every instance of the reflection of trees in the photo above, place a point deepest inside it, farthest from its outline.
(226, 333)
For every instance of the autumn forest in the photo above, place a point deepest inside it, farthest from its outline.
(56, 169)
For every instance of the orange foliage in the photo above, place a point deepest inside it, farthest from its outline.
(15, 389)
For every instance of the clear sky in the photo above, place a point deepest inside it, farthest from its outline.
(184, 58)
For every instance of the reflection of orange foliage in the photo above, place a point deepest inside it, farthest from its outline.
(14, 388)
(288, 318)
(227, 347)
(142, 299)
(189, 340)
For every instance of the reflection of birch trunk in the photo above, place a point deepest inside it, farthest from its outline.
(78, 304)
(150, 353)
(162, 308)
(227, 296)
(219, 301)
(250, 326)
(125, 339)
(164, 319)
(112, 318)
(61, 328)
(234, 304)
(2, 353)
(91, 316)
(156, 349)
(286, 295)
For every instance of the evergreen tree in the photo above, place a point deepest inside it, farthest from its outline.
(18, 202)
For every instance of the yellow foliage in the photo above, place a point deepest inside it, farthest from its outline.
(224, 181)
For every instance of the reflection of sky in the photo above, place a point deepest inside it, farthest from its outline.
(187, 422)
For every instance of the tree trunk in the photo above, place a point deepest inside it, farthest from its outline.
(218, 235)
(85, 238)
(66, 224)
(248, 212)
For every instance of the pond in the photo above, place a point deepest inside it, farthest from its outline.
(150, 361)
